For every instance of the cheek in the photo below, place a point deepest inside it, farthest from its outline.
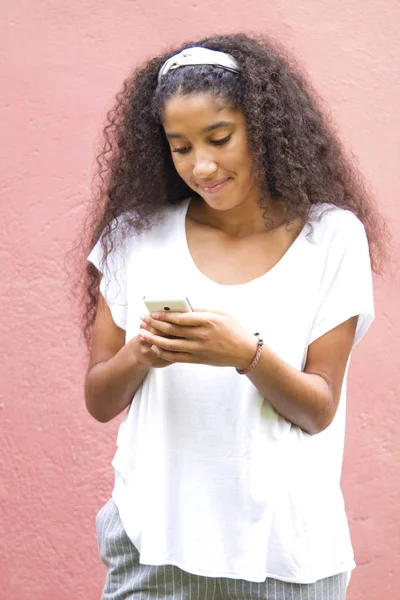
(180, 167)
(247, 176)
(244, 168)
(240, 159)
(247, 166)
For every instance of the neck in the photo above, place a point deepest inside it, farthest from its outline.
(248, 218)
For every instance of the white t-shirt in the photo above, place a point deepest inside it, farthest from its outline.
(208, 476)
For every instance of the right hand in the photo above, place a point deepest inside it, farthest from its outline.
(144, 354)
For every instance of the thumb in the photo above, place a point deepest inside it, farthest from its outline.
(214, 311)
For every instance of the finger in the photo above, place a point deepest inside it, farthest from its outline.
(151, 358)
(147, 327)
(143, 324)
(168, 329)
(189, 319)
(172, 357)
(171, 345)
(209, 311)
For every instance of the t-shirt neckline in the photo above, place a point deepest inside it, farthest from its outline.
(273, 272)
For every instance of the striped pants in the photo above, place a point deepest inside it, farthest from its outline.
(127, 579)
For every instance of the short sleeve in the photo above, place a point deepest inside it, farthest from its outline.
(346, 288)
(113, 284)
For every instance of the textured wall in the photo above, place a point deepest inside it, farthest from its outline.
(61, 63)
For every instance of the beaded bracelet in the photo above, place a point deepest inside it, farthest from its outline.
(255, 359)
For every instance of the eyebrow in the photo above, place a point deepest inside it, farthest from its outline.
(212, 127)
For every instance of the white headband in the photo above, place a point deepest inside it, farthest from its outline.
(199, 56)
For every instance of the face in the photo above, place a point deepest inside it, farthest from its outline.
(210, 151)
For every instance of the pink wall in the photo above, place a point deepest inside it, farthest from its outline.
(61, 64)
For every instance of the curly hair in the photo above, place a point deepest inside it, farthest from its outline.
(298, 158)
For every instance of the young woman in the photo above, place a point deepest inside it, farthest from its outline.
(224, 184)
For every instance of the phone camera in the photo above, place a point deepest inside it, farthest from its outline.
(167, 308)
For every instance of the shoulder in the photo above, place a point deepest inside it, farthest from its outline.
(330, 224)
(130, 232)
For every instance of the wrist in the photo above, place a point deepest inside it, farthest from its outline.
(247, 353)
(256, 357)
(135, 354)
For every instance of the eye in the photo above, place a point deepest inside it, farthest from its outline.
(183, 150)
(222, 141)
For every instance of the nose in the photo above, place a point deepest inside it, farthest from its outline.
(204, 166)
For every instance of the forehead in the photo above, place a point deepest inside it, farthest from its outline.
(195, 112)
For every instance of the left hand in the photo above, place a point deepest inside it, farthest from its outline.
(201, 337)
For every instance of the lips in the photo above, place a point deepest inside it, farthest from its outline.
(212, 187)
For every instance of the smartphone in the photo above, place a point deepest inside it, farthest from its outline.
(167, 304)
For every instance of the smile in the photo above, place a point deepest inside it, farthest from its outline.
(215, 187)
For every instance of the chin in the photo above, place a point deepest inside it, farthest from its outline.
(219, 203)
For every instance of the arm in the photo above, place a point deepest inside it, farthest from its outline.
(116, 370)
(308, 399)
